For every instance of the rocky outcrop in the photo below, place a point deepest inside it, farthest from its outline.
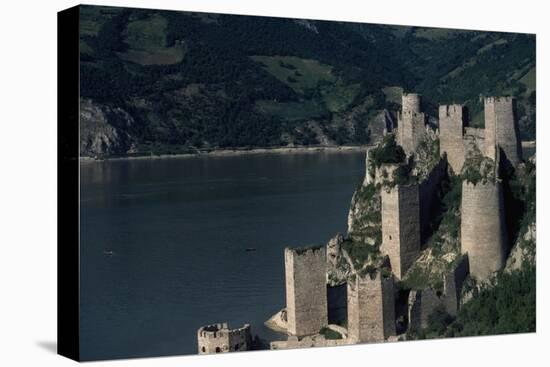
(364, 217)
(521, 252)
(104, 130)
(338, 267)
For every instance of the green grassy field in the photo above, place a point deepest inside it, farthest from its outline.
(299, 74)
(306, 77)
(146, 39)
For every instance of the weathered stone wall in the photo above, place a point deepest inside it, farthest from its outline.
(451, 130)
(294, 342)
(452, 285)
(218, 338)
(306, 290)
(429, 201)
(400, 227)
(501, 128)
(411, 130)
(371, 308)
(423, 302)
(483, 231)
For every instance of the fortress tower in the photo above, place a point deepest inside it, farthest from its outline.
(501, 129)
(483, 231)
(306, 290)
(218, 338)
(411, 123)
(452, 120)
(401, 227)
(371, 308)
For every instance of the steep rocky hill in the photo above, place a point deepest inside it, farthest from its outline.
(173, 82)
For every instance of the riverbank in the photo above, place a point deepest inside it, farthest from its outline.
(236, 152)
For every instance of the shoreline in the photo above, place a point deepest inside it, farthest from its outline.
(237, 152)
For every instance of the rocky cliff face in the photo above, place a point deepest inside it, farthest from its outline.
(104, 130)
(364, 218)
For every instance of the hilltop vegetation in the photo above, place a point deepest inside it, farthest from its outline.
(206, 81)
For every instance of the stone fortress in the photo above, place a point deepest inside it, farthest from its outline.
(365, 304)
(218, 338)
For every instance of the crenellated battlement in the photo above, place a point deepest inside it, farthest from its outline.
(499, 99)
(402, 114)
(452, 110)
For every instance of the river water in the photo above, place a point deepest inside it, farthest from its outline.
(179, 230)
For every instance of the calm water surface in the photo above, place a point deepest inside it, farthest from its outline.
(179, 230)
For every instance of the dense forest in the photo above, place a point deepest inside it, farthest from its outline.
(188, 81)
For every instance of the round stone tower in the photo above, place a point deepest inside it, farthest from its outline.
(411, 102)
(218, 338)
(483, 231)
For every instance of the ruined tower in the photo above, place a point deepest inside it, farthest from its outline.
(501, 129)
(452, 119)
(483, 231)
(218, 338)
(306, 290)
(371, 308)
(400, 227)
(411, 123)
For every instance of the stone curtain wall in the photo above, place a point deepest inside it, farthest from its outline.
(306, 290)
(401, 227)
(371, 308)
(294, 342)
(240, 339)
(423, 302)
(451, 128)
(483, 231)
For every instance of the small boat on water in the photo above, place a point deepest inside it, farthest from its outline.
(250, 249)
(108, 252)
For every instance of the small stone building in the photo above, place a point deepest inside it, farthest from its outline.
(218, 338)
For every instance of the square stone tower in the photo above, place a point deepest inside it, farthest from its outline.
(306, 290)
(501, 129)
(452, 119)
(371, 308)
(401, 227)
(411, 123)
